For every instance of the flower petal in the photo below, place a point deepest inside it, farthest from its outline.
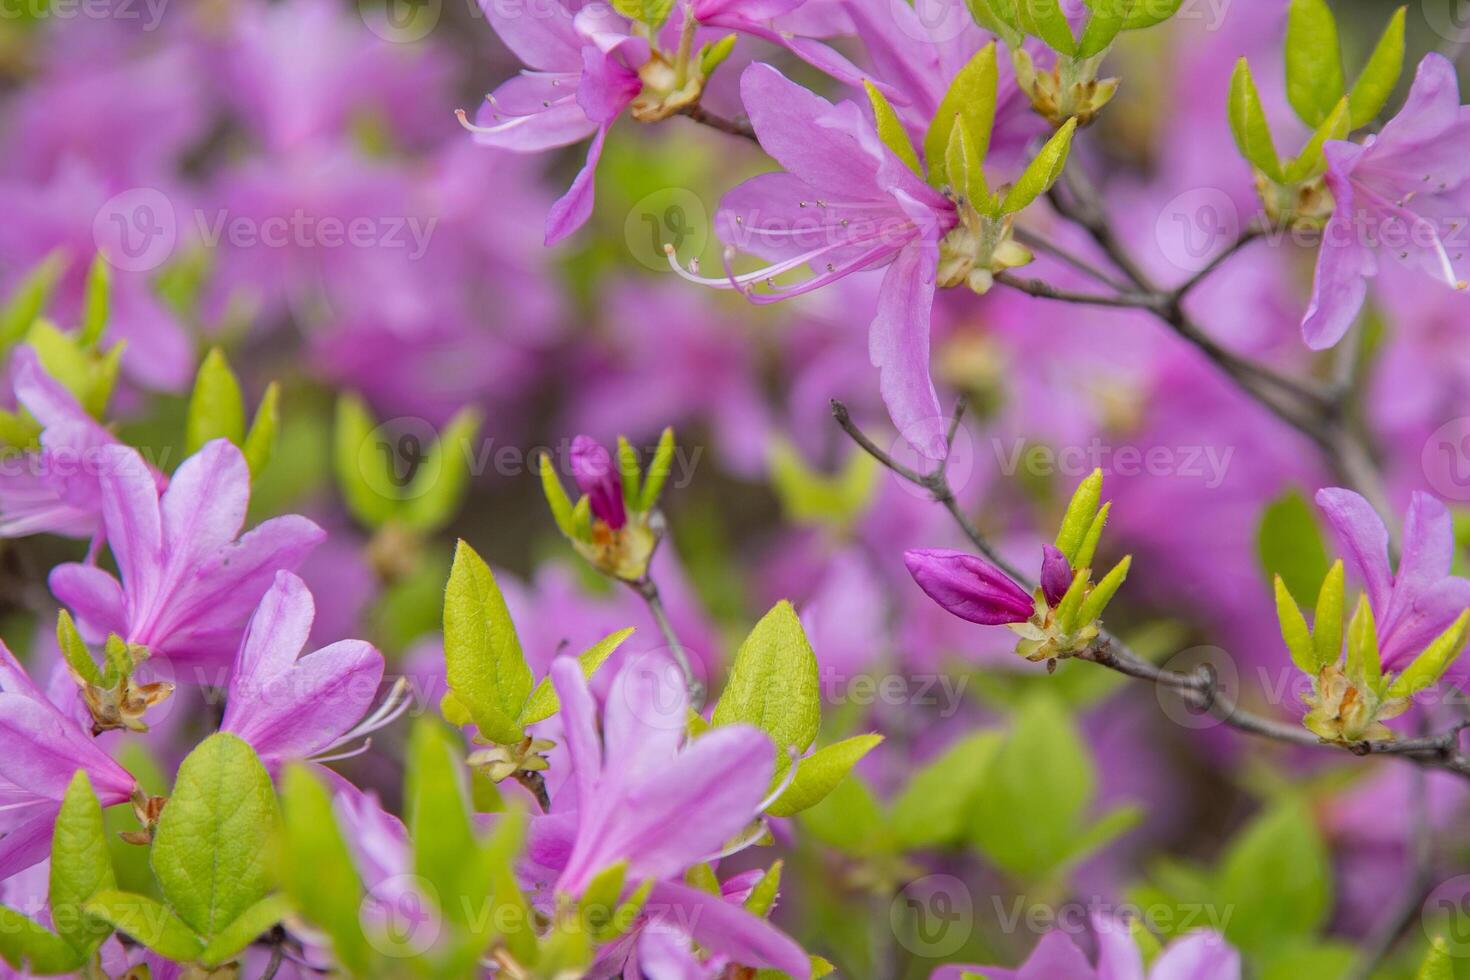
(729, 929)
(1363, 536)
(573, 208)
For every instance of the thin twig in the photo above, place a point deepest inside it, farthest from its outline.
(1252, 232)
(1200, 688)
(1045, 290)
(648, 590)
(731, 127)
(1041, 243)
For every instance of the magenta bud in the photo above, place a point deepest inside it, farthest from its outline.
(969, 586)
(595, 475)
(1056, 574)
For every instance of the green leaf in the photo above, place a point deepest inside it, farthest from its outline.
(316, 868)
(438, 820)
(713, 55)
(1147, 13)
(81, 865)
(811, 497)
(544, 703)
(1107, 19)
(1294, 630)
(95, 302)
(354, 456)
(773, 684)
(149, 922)
(1431, 664)
(1375, 84)
(1276, 877)
(818, 774)
(850, 820)
(1437, 965)
(1248, 123)
(556, 498)
(443, 475)
(932, 809)
(891, 130)
(74, 649)
(1312, 162)
(1042, 171)
(33, 949)
(1081, 512)
(28, 299)
(971, 98)
(762, 897)
(658, 471)
(209, 850)
(1314, 79)
(1000, 18)
(1289, 543)
(1327, 621)
(1102, 593)
(965, 169)
(1101, 832)
(260, 441)
(630, 474)
(1046, 20)
(1037, 793)
(1087, 550)
(249, 925)
(486, 669)
(509, 903)
(216, 408)
(1364, 663)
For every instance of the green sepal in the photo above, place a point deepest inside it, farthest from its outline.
(1000, 18)
(1046, 19)
(658, 471)
(762, 897)
(1327, 618)
(1312, 162)
(1294, 630)
(1314, 81)
(966, 171)
(713, 55)
(1043, 170)
(96, 302)
(1106, 21)
(630, 474)
(543, 702)
(439, 485)
(1364, 664)
(971, 97)
(28, 299)
(216, 407)
(74, 650)
(1430, 665)
(891, 130)
(1147, 13)
(1248, 123)
(1069, 608)
(1381, 73)
(1087, 550)
(819, 773)
(260, 442)
(1081, 511)
(1102, 593)
(353, 457)
(556, 498)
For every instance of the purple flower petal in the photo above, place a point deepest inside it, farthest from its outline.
(969, 586)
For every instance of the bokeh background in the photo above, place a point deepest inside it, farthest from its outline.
(286, 181)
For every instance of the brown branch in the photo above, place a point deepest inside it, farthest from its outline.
(731, 127)
(1199, 687)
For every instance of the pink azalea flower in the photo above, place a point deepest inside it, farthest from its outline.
(1201, 955)
(41, 748)
(592, 469)
(55, 490)
(292, 707)
(846, 203)
(1402, 192)
(645, 798)
(771, 20)
(582, 73)
(189, 579)
(1418, 601)
(970, 587)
